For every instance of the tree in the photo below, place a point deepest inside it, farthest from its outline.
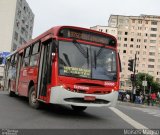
(155, 86)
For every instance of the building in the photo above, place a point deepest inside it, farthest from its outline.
(16, 24)
(138, 35)
(105, 29)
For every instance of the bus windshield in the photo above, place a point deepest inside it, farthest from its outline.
(86, 61)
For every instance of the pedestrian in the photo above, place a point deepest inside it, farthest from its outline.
(148, 99)
(122, 97)
(136, 99)
(144, 99)
(158, 97)
(153, 98)
(141, 99)
(127, 97)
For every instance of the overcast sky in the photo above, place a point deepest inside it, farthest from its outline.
(86, 13)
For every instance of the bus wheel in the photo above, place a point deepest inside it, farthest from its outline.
(32, 98)
(78, 108)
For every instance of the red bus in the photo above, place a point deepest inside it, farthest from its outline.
(66, 65)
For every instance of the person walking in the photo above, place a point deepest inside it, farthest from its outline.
(148, 99)
(122, 97)
(153, 98)
(127, 97)
(158, 97)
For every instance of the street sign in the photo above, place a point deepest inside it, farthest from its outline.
(4, 55)
(144, 83)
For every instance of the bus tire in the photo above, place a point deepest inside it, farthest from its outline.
(33, 102)
(78, 108)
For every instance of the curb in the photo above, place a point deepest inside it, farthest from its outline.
(137, 105)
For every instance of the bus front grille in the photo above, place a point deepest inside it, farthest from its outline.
(81, 100)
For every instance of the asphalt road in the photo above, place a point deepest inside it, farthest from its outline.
(15, 113)
(147, 116)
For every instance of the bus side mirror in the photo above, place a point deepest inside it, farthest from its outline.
(54, 46)
(53, 49)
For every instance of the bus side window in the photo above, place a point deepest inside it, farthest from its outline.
(26, 57)
(8, 63)
(35, 54)
(15, 60)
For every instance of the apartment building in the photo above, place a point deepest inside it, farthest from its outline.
(16, 24)
(138, 35)
(105, 29)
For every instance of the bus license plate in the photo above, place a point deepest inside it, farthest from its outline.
(89, 98)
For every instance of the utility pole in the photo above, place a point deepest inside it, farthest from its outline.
(132, 68)
(133, 82)
(144, 86)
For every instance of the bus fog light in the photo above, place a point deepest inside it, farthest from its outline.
(112, 90)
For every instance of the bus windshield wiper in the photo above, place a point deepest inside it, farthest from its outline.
(67, 59)
(97, 54)
(100, 50)
(82, 50)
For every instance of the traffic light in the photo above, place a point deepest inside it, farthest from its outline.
(130, 64)
(132, 77)
(1, 60)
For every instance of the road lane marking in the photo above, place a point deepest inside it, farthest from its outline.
(158, 115)
(145, 110)
(128, 119)
(152, 112)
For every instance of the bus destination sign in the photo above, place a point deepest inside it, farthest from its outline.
(87, 36)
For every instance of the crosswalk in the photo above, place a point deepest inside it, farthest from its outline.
(153, 112)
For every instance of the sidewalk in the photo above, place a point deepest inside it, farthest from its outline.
(3, 92)
(138, 105)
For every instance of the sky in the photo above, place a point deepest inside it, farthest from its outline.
(86, 13)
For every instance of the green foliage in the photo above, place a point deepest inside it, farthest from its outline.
(155, 86)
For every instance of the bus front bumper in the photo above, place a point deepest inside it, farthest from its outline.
(59, 95)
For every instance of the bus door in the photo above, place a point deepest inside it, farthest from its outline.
(45, 69)
(13, 72)
(6, 70)
(19, 64)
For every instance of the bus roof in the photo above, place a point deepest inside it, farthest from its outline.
(54, 31)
